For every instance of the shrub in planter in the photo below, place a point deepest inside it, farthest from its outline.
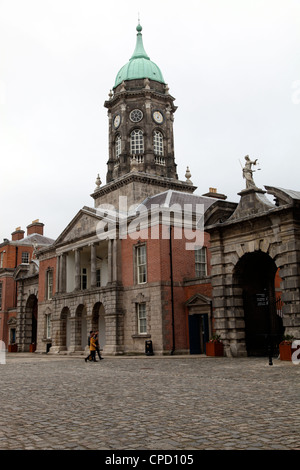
(285, 348)
(214, 347)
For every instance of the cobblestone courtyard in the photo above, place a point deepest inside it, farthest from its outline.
(148, 403)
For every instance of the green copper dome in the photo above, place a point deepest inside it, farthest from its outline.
(139, 65)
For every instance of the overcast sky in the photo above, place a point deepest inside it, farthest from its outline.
(232, 65)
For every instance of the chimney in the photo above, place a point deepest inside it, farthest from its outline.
(18, 234)
(213, 193)
(35, 227)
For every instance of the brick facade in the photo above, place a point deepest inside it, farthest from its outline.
(17, 264)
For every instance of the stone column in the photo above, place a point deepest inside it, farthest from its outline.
(109, 261)
(289, 262)
(114, 334)
(57, 274)
(62, 272)
(93, 265)
(114, 260)
(77, 269)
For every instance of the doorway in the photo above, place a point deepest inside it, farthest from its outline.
(198, 333)
(255, 274)
(31, 318)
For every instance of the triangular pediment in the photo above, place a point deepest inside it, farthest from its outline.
(83, 225)
(198, 299)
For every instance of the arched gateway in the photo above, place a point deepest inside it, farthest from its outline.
(259, 240)
(254, 275)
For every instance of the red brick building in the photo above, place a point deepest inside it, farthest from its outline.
(18, 262)
(147, 285)
(145, 265)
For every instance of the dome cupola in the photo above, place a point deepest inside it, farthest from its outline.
(139, 65)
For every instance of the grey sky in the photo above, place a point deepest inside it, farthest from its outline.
(233, 67)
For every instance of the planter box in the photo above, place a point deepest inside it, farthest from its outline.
(32, 348)
(286, 351)
(214, 349)
(12, 348)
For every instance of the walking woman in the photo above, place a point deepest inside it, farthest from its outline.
(92, 355)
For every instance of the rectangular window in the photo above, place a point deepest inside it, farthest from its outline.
(98, 278)
(1, 259)
(0, 295)
(83, 278)
(25, 257)
(118, 146)
(48, 326)
(200, 262)
(141, 264)
(158, 143)
(49, 285)
(142, 319)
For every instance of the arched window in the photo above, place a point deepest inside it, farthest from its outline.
(158, 143)
(136, 142)
(118, 146)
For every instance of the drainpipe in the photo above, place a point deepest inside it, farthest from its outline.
(15, 300)
(172, 293)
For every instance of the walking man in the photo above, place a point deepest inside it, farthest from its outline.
(98, 345)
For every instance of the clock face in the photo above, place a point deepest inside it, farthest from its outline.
(117, 121)
(136, 115)
(158, 117)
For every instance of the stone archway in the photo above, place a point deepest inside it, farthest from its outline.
(254, 277)
(98, 322)
(256, 225)
(81, 334)
(64, 337)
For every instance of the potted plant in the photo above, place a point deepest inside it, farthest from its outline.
(13, 347)
(285, 348)
(214, 347)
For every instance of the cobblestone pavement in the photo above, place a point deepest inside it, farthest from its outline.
(148, 403)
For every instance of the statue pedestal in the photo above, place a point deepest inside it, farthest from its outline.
(253, 201)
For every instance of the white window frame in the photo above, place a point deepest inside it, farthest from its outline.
(201, 261)
(141, 264)
(48, 326)
(136, 142)
(49, 281)
(142, 318)
(118, 146)
(158, 143)
(25, 255)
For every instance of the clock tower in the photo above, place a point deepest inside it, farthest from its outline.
(141, 113)
(141, 143)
